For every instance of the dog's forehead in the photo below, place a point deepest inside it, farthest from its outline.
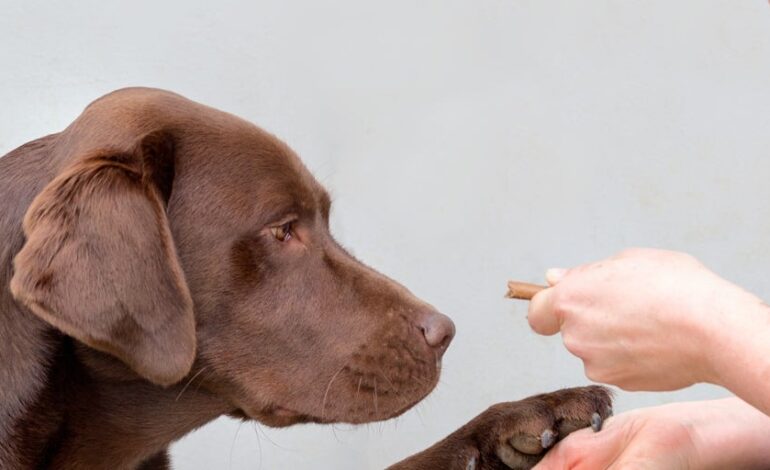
(256, 174)
(277, 169)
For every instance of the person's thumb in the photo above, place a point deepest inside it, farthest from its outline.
(554, 275)
(541, 316)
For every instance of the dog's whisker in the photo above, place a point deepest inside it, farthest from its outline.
(189, 382)
(326, 393)
(232, 446)
(358, 390)
(258, 429)
(395, 389)
(381, 373)
(259, 445)
(334, 433)
(376, 407)
(420, 381)
(419, 413)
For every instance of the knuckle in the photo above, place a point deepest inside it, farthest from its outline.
(560, 301)
(571, 343)
(629, 386)
(592, 373)
(557, 296)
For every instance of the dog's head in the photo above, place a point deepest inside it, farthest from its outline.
(190, 244)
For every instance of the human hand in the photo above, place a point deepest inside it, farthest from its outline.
(704, 435)
(644, 319)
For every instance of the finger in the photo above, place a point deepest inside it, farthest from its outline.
(558, 459)
(542, 316)
(554, 275)
(584, 450)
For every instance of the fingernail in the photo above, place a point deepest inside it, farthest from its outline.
(554, 275)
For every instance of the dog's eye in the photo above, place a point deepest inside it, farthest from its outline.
(283, 232)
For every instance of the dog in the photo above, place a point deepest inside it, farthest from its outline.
(164, 263)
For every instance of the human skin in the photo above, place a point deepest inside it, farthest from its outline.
(659, 320)
(715, 434)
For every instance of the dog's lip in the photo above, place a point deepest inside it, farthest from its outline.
(282, 412)
(278, 416)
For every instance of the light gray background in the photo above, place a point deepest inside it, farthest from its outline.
(465, 142)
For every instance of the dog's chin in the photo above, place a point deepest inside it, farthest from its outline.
(359, 400)
(388, 407)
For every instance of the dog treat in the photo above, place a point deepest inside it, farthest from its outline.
(522, 290)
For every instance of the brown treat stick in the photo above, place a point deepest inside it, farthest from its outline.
(522, 290)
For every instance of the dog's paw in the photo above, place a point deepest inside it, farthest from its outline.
(516, 435)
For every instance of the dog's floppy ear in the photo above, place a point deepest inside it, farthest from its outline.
(99, 262)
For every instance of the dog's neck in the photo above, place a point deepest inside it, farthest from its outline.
(113, 420)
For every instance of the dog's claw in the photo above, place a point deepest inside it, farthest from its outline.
(596, 422)
(547, 439)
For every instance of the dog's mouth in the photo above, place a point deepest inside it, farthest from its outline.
(278, 416)
(354, 399)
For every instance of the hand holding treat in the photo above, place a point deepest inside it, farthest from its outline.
(657, 320)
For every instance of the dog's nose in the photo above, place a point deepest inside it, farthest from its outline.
(437, 328)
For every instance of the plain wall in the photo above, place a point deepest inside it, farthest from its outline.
(465, 143)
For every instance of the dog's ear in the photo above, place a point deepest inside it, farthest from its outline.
(99, 262)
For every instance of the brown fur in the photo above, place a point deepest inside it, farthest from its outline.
(144, 292)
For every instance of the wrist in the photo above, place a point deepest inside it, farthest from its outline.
(738, 339)
(729, 433)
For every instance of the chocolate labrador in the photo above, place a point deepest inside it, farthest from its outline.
(163, 263)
